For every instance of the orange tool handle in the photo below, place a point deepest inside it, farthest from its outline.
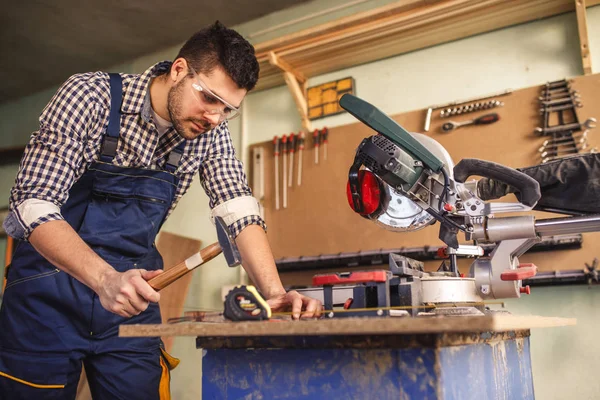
(183, 268)
(292, 143)
(284, 146)
(276, 145)
(301, 137)
(324, 134)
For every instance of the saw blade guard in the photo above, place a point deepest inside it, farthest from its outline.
(399, 213)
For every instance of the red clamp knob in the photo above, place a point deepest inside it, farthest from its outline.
(523, 272)
(525, 290)
(449, 207)
(442, 252)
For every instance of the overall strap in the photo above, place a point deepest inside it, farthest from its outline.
(174, 158)
(111, 136)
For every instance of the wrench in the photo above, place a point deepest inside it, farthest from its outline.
(556, 143)
(588, 124)
(559, 108)
(561, 150)
(545, 160)
(563, 139)
(483, 120)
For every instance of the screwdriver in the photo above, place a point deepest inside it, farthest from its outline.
(276, 154)
(483, 120)
(284, 156)
(300, 149)
(292, 148)
(324, 134)
(316, 144)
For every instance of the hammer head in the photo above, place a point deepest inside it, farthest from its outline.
(227, 243)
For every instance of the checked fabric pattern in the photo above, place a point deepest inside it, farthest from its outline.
(70, 137)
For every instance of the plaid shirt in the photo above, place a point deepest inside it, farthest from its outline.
(69, 140)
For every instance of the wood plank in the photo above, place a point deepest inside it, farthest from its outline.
(586, 58)
(331, 26)
(276, 61)
(299, 99)
(349, 326)
(174, 249)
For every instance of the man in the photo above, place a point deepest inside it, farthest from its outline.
(113, 155)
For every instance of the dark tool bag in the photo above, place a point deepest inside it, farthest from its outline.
(569, 185)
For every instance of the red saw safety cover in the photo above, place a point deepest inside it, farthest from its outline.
(369, 191)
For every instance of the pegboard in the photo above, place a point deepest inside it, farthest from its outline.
(318, 219)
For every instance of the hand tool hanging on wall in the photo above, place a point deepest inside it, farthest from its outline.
(455, 103)
(276, 159)
(284, 150)
(316, 144)
(301, 138)
(258, 173)
(483, 120)
(468, 108)
(292, 148)
(549, 143)
(559, 100)
(324, 141)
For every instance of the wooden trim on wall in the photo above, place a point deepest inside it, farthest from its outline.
(395, 29)
(586, 58)
(11, 155)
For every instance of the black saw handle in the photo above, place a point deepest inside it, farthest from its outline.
(528, 188)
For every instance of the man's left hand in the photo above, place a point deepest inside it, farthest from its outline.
(296, 302)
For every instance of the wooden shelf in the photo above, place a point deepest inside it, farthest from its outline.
(395, 29)
(11, 155)
(346, 326)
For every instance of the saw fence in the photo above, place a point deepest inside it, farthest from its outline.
(319, 221)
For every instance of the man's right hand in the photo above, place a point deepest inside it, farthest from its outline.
(127, 293)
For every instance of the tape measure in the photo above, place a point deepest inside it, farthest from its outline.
(244, 303)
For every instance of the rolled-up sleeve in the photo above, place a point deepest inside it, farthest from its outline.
(52, 159)
(223, 178)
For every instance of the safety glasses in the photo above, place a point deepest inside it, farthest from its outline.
(210, 100)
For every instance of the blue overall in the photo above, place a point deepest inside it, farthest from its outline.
(50, 323)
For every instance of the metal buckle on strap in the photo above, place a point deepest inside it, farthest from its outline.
(174, 159)
(109, 146)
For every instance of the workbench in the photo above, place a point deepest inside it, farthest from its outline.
(472, 357)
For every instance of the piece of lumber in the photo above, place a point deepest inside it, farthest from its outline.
(349, 326)
(586, 58)
(175, 249)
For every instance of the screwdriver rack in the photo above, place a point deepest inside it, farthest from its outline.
(559, 102)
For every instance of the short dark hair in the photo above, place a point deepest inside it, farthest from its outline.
(219, 45)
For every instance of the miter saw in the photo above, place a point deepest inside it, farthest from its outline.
(406, 181)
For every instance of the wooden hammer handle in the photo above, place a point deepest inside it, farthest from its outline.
(172, 274)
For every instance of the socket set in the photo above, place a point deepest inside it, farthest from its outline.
(468, 108)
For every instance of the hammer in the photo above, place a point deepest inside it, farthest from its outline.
(225, 245)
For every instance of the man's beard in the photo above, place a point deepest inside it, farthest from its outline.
(174, 107)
